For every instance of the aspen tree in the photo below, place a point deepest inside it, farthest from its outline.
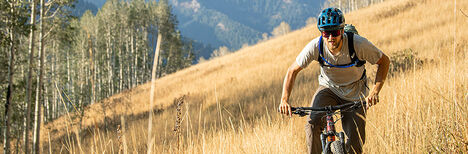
(27, 113)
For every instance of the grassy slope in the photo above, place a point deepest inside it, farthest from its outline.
(426, 106)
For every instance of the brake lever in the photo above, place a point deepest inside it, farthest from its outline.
(358, 106)
(300, 113)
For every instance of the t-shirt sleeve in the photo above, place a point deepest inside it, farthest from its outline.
(308, 54)
(366, 50)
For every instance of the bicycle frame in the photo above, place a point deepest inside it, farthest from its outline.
(329, 134)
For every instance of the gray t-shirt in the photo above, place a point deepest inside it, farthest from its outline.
(344, 82)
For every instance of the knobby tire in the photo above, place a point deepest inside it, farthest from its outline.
(337, 147)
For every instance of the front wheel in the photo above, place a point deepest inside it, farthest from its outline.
(337, 147)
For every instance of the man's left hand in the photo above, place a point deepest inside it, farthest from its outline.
(372, 99)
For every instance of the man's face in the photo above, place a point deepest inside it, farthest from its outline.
(332, 38)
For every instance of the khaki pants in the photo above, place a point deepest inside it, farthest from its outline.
(353, 123)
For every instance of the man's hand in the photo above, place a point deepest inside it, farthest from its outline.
(382, 70)
(285, 108)
(372, 99)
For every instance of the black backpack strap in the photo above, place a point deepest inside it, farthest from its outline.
(353, 55)
(320, 60)
(352, 52)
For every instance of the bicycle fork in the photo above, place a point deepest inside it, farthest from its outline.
(328, 136)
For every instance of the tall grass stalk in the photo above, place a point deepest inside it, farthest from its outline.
(422, 109)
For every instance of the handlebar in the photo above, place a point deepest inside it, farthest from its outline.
(302, 111)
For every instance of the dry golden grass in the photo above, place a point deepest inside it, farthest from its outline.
(231, 101)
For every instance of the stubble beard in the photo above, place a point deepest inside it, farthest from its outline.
(334, 45)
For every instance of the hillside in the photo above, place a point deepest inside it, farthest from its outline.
(229, 104)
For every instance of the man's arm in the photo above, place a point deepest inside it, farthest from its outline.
(284, 107)
(383, 63)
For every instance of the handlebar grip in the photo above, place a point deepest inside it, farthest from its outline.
(294, 108)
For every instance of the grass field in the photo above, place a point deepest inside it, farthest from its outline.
(230, 102)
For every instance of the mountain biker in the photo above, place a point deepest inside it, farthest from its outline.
(342, 78)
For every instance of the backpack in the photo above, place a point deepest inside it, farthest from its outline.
(349, 30)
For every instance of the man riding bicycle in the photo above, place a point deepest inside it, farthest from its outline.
(342, 78)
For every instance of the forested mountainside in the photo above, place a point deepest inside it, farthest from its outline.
(233, 23)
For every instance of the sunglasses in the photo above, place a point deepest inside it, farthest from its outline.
(333, 33)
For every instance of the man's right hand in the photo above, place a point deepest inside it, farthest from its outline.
(285, 108)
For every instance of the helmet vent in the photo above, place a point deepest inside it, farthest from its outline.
(330, 18)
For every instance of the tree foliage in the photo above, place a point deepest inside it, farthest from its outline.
(282, 29)
(86, 59)
(221, 51)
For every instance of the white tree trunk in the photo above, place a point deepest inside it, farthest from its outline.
(83, 71)
(109, 59)
(121, 70)
(6, 132)
(135, 71)
(143, 63)
(128, 41)
(39, 94)
(143, 73)
(27, 121)
(47, 104)
(54, 92)
(339, 4)
(153, 79)
(132, 45)
(91, 62)
(98, 78)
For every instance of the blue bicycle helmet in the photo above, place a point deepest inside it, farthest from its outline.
(330, 19)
